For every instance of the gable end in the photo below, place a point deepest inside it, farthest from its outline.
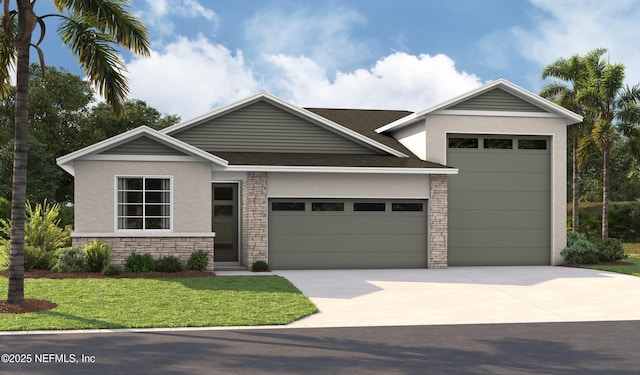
(262, 127)
(496, 100)
(142, 146)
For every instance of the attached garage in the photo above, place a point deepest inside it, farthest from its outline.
(347, 233)
(500, 202)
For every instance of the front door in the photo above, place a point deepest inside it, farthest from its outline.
(225, 221)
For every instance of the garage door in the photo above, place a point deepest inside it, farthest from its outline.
(347, 233)
(499, 203)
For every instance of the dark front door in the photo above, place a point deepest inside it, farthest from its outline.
(225, 221)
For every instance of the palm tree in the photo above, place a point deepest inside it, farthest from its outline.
(91, 29)
(572, 73)
(614, 107)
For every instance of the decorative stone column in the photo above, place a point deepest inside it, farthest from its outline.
(254, 218)
(438, 221)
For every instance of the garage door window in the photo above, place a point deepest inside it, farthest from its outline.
(498, 143)
(463, 142)
(532, 144)
(327, 206)
(414, 207)
(369, 206)
(287, 206)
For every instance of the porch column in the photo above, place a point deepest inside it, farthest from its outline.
(254, 218)
(438, 221)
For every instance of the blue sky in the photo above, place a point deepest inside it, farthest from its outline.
(388, 54)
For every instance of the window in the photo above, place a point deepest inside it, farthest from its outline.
(463, 142)
(532, 144)
(287, 206)
(415, 207)
(498, 143)
(369, 206)
(327, 206)
(144, 203)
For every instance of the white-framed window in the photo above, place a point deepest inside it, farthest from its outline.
(143, 202)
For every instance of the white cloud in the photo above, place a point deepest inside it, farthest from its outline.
(160, 15)
(190, 77)
(396, 81)
(564, 28)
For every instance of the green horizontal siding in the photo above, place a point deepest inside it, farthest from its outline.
(262, 127)
(496, 100)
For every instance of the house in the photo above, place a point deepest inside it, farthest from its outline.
(477, 180)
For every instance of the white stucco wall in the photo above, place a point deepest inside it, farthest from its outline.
(95, 193)
(346, 185)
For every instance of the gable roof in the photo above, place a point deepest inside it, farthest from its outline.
(502, 84)
(66, 162)
(297, 111)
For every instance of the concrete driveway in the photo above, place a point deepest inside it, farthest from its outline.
(465, 295)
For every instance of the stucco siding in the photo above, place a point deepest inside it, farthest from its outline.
(343, 185)
(95, 193)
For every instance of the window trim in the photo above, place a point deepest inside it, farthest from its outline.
(144, 177)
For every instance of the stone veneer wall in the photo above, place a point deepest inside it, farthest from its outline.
(254, 218)
(438, 221)
(181, 247)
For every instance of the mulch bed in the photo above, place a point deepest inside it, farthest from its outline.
(33, 305)
(44, 274)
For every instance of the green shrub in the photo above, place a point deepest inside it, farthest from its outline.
(198, 260)
(42, 235)
(169, 263)
(111, 270)
(579, 250)
(5, 208)
(70, 259)
(259, 266)
(610, 250)
(98, 255)
(139, 263)
(4, 257)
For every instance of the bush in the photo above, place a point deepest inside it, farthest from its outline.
(139, 263)
(70, 259)
(198, 260)
(42, 235)
(610, 250)
(169, 263)
(579, 250)
(259, 266)
(5, 208)
(98, 255)
(111, 270)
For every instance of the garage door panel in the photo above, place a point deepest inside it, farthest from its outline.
(513, 219)
(488, 200)
(521, 256)
(492, 160)
(348, 239)
(491, 181)
(496, 237)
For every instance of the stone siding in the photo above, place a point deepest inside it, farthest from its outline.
(438, 221)
(181, 247)
(254, 218)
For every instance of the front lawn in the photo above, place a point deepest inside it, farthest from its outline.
(633, 270)
(146, 303)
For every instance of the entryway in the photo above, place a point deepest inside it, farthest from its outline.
(225, 221)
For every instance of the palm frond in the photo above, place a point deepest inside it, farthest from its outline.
(7, 53)
(101, 63)
(111, 17)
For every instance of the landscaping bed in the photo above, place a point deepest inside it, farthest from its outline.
(45, 274)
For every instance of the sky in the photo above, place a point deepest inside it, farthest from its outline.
(368, 54)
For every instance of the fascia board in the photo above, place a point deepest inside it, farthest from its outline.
(306, 169)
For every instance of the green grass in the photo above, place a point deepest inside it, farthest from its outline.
(633, 251)
(146, 303)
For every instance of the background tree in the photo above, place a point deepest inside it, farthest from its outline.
(614, 107)
(91, 29)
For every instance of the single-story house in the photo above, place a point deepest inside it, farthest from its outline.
(477, 180)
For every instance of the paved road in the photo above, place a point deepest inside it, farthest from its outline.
(538, 348)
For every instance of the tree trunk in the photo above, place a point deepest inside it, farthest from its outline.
(576, 187)
(15, 293)
(605, 194)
